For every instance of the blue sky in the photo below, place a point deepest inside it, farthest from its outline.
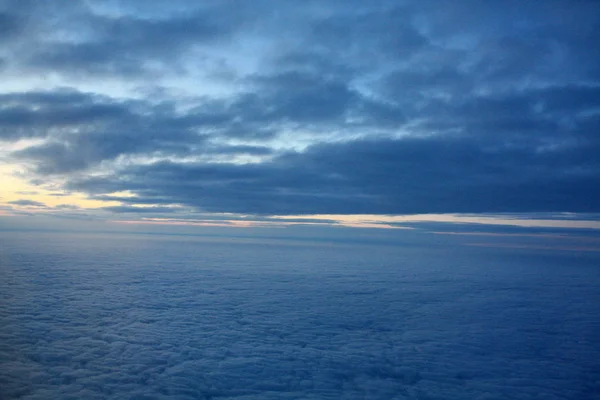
(262, 113)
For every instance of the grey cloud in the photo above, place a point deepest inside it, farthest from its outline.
(138, 210)
(381, 177)
(425, 108)
(126, 45)
(27, 203)
(104, 186)
(313, 61)
(67, 207)
(83, 129)
(54, 158)
(240, 149)
(85, 151)
(122, 44)
(369, 34)
(301, 97)
(9, 26)
(37, 114)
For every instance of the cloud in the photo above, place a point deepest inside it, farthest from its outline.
(27, 203)
(147, 316)
(501, 153)
(404, 176)
(83, 129)
(376, 108)
(38, 114)
(67, 207)
(105, 41)
(127, 45)
(140, 210)
(10, 27)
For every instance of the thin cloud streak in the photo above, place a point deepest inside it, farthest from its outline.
(459, 219)
(535, 247)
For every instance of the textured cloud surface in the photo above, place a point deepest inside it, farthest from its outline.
(146, 317)
(379, 107)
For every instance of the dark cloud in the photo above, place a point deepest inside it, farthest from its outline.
(31, 114)
(369, 34)
(139, 210)
(10, 26)
(87, 150)
(373, 107)
(117, 43)
(27, 203)
(440, 174)
(105, 185)
(67, 207)
(241, 149)
(127, 45)
(83, 129)
(301, 97)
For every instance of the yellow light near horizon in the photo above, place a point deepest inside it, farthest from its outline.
(13, 188)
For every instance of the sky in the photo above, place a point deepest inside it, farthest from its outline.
(379, 114)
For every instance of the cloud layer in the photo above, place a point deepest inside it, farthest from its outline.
(383, 107)
(139, 316)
